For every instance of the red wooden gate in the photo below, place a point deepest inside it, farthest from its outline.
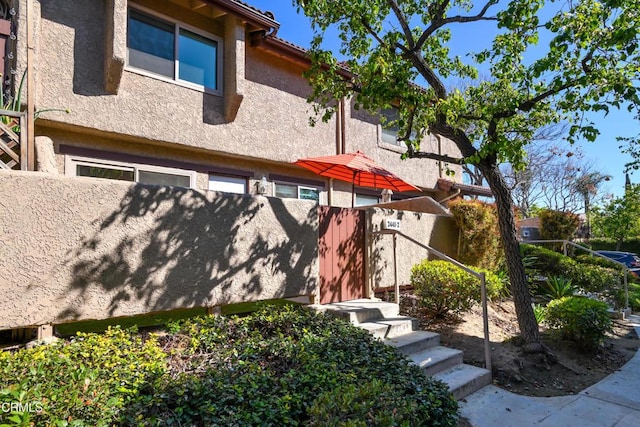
(341, 248)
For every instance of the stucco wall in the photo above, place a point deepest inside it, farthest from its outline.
(84, 248)
(272, 120)
(437, 231)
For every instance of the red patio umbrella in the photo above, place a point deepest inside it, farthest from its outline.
(357, 169)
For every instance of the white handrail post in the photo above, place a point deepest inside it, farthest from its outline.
(564, 247)
(626, 289)
(395, 268)
(485, 321)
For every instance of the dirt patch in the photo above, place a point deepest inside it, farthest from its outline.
(527, 374)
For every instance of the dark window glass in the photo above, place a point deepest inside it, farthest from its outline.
(197, 59)
(151, 44)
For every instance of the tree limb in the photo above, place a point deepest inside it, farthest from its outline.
(438, 22)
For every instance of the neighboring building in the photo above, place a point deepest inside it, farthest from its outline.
(193, 93)
(529, 228)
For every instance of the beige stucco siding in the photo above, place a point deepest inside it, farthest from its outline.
(271, 123)
(436, 231)
(85, 248)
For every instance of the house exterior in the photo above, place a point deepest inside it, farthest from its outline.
(199, 94)
(170, 182)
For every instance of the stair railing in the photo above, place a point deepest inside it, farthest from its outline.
(566, 243)
(444, 257)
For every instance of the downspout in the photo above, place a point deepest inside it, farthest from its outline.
(339, 129)
(343, 133)
(31, 89)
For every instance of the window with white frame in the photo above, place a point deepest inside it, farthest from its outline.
(295, 191)
(133, 172)
(173, 51)
(228, 184)
(390, 127)
(366, 200)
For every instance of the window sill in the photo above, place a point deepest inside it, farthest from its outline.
(392, 147)
(180, 83)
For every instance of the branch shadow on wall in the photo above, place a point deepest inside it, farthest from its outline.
(172, 248)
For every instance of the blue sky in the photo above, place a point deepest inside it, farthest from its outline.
(604, 153)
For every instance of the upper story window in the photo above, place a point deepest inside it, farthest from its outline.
(172, 51)
(390, 127)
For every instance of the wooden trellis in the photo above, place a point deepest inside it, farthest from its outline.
(14, 152)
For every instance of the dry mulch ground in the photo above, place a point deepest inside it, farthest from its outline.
(528, 374)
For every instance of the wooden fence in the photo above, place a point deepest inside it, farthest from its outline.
(14, 151)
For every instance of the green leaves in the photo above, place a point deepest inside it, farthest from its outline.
(586, 58)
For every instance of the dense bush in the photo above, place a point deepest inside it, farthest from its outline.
(556, 225)
(590, 278)
(443, 288)
(631, 245)
(479, 243)
(582, 320)
(596, 260)
(270, 367)
(278, 366)
(86, 382)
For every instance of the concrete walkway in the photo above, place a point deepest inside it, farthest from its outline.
(614, 401)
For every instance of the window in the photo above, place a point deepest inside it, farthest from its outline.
(366, 200)
(169, 50)
(293, 191)
(389, 133)
(390, 128)
(228, 184)
(132, 172)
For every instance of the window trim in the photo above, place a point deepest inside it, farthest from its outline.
(238, 177)
(70, 163)
(177, 25)
(298, 186)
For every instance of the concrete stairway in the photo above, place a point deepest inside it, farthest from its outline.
(423, 348)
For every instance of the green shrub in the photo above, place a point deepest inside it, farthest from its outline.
(443, 288)
(555, 225)
(273, 366)
(497, 284)
(375, 403)
(88, 380)
(603, 244)
(596, 260)
(582, 320)
(634, 297)
(479, 238)
(590, 278)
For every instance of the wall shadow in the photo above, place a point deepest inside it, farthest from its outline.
(165, 248)
(88, 42)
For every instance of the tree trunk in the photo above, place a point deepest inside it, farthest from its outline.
(517, 277)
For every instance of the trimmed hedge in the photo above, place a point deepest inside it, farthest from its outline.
(582, 320)
(278, 366)
(444, 289)
(590, 278)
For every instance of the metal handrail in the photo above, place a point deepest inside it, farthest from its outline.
(479, 275)
(564, 250)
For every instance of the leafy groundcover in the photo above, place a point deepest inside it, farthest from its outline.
(278, 366)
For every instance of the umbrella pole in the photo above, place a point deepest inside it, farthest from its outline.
(353, 191)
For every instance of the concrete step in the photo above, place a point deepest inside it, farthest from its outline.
(390, 328)
(436, 359)
(360, 311)
(414, 342)
(464, 379)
